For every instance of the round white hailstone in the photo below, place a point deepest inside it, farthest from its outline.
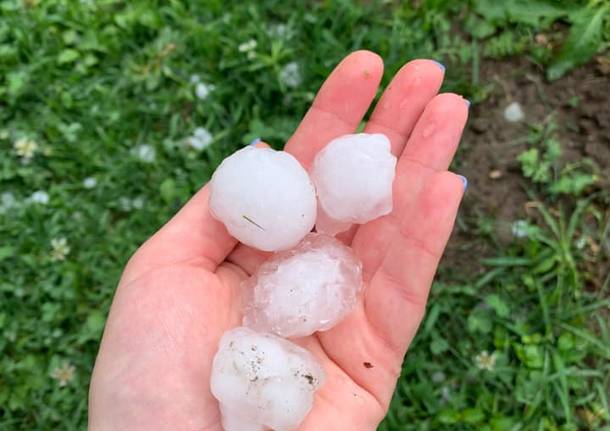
(40, 197)
(203, 90)
(520, 228)
(263, 381)
(264, 198)
(514, 113)
(305, 289)
(353, 175)
(145, 153)
(89, 182)
(201, 139)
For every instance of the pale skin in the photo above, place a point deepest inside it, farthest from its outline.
(180, 291)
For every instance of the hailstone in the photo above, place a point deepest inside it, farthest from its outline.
(305, 289)
(353, 176)
(262, 381)
(264, 198)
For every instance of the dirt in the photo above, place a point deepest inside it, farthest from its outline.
(497, 192)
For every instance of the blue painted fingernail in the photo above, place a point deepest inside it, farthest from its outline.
(440, 65)
(255, 141)
(464, 180)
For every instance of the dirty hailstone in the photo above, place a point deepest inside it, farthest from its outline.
(353, 176)
(303, 290)
(264, 198)
(263, 381)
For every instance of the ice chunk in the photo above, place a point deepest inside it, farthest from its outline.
(514, 113)
(353, 176)
(306, 289)
(264, 197)
(263, 381)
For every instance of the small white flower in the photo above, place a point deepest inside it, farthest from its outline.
(25, 148)
(194, 79)
(137, 203)
(125, 203)
(291, 75)
(201, 139)
(279, 31)
(485, 361)
(514, 113)
(520, 228)
(64, 374)
(128, 204)
(203, 90)
(145, 153)
(60, 249)
(7, 200)
(40, 197)
(438, 377)
(202, 133)
(247, 46)
(89, 182)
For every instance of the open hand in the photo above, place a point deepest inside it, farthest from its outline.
(180, 291)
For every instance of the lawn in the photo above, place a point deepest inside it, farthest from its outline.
(113, 113)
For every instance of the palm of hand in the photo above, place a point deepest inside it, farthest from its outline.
(180, 291)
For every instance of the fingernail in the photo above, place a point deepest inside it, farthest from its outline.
(467, 102)
(255, 141)
(465, 181)
(440, 65)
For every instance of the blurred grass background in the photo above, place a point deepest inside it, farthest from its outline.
(113, 113)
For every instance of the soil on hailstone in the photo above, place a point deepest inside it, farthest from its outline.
(497, 191)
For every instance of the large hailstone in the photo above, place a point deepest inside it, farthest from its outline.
(353, 175)
(264, 198)
(305, 289)
(263, 381)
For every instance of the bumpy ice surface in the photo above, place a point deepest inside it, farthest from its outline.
(263, 381)
(353, 175)
(264, 197)
(306, 289)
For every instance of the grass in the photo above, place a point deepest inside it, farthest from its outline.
(103, 96)
(549, 338)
